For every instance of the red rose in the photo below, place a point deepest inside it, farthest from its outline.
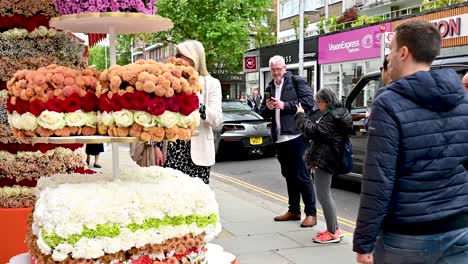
(188, 103)
(21, 106)
(43, 148)
(140, 100)
(156, 106)
(56, 105)
(116, 102)
(90, 102)
(72, 104)
(9, 106)
(104, 104)
(3, 84)
(173, 103)
(36, 107)
(18, 21)
(5, 23)
(126, 100)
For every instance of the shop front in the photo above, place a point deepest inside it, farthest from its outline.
(290, 52)
(345, 57)
(453, 27)
(232, 85)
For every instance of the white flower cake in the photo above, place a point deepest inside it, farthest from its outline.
(148, 215)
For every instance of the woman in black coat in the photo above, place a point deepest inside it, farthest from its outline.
(328, 129)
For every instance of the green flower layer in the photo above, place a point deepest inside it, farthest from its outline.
(113, 230)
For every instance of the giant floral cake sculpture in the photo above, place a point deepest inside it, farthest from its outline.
(148, 215)
(90, 6)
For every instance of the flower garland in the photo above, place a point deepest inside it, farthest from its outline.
(17, 197)
(92, 6)
(20, 21)
(28, 8)
(34, 165)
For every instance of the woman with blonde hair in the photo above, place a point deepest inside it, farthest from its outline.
(195, 157)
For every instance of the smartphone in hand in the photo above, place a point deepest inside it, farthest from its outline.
(267, 96)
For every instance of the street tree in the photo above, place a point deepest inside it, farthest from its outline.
(97, 57)
(224, 28)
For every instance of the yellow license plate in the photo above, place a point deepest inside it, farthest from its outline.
(256, 140)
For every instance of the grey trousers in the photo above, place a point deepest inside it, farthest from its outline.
(323, 181)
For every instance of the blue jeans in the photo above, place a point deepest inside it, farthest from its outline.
(450, 247)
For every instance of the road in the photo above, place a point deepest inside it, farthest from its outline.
(262, 176)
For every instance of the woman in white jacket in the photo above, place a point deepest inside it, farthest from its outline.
(195, 157)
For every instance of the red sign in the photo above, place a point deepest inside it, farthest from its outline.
(383, 28)
(250, 63)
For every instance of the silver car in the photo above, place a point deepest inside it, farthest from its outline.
(243, 130)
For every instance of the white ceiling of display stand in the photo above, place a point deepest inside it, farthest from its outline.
(119, 23)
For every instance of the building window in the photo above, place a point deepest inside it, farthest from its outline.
(289, 8)
(311, 5)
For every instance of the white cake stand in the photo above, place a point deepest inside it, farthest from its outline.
(111, 23)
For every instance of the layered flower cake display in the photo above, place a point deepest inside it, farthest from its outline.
(146, 99)
(148, 215)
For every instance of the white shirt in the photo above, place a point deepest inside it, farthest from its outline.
(281, 138)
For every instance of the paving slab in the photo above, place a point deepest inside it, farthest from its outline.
(256, 243)
(270, 257)
(332, 253)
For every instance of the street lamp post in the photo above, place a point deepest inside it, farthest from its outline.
(301, 38)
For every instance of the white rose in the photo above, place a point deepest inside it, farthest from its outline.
(185, 121)
(75, 119)
(91, 119)
(105, 118)
(51, 120)
(123, 118)
(168, 119)
(196, 118)
(42, 31)
(28, 121)
(52, 32)
(15, 120)
(143, 118)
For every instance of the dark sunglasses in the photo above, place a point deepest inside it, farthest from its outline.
(178, 55)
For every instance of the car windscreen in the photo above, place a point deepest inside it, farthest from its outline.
(235, 106)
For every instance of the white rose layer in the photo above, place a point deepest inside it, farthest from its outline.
(124, 118)
(68, 203)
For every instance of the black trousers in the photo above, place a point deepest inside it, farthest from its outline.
(298, 178)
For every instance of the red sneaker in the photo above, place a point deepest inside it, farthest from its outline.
(338, 231)
(327, 237)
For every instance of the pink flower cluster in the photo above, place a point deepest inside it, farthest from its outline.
(67, 7)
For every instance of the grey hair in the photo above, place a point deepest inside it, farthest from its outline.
(195, 51)
(328, 96)
(277, 59)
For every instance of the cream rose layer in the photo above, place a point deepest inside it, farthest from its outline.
(89, 216)
(124, 118)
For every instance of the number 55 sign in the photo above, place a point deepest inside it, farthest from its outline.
(250, 63)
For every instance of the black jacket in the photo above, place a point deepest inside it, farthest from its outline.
(295, 89)
(328, 133)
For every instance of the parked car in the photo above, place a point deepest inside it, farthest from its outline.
(243, 131)
(360, 99)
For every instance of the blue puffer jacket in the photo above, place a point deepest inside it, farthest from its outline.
(417, 147)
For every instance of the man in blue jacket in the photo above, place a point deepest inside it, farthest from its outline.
(286, 91)
(414, 202)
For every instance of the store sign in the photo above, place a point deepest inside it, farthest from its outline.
(364, 43)
(452, 27)
(250, 63)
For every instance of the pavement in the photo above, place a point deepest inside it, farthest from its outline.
(249, 231)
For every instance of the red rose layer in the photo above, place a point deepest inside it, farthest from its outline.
(42, 147)
(139, 101)
(20, 21)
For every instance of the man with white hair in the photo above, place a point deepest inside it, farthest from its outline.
(281, 97)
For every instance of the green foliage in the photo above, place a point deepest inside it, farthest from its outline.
(363, 20)
(265, 33)
(433, 4)
(123, 49)
(331, 25)
(295, 24)
(97, 57)
(223, 27)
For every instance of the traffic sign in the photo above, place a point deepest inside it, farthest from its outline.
(250, 63)
(383, 28)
